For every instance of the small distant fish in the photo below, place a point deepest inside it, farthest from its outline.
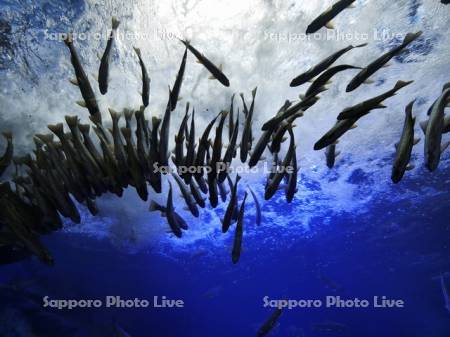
(324, 19)
(322, 66)
(103, 72)
(179, 139)
(190, 151)
(270, 323)
(231, 119)
(237, 245)
(82, 81)
(404, 146)
(363, 108)
(178, 81)
(7, 157)
(164, 135)
(228, 157)
(170, 214)
(145, 79)
(433, 135)
(214, 70)
(368, 71)
(257, 208)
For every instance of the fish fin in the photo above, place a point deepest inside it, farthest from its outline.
(354, 126)
(211, 77)
(337, 153)
(387, 65)
(410, 167)
(444, 147)
(416, 141)
(351, 6)
(302, 97)
(396, 145)
(369, 81)
(381, 106)
(99, 56)
(400, 84)
(198, 61)
(74, 81)
(336, 142)
(329, 25)
(410, 37)
(82, 104)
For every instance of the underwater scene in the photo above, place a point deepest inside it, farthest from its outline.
(198, 168)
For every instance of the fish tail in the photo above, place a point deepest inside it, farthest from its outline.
(45, 138)
(84, 128)
(115, 23)
(71, 120)
(115, 116)
(410, 37)
(126, 132)
(446, 86)
(57, 129)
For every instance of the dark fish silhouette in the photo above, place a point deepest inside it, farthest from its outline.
(324, 19)
(103, 71)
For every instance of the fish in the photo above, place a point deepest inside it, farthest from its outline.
(228, 217)
(237, 245)
(7, 157)
(246, 138)
(231, 119)
(119, 149)
(195, 191)
(363, 108)
(433, 136)
(320, 82)
(324, 19)
(404, 146)
(82, 81)
(179, 139)
(103, 71)
(164, 136)
(217, 145)
(213, 193)
(228, 156)
(190, 150)
(175, 94)
(373, 67)
(331, 154)
(153, 157)
(291, 188)
(154, 206)
(187, 196)
(322, 66)
(257, 208)
(88, 143)
(274, 183)
(213, 69)
(134, 168)
(142, 138)
(339, 129)
(145, 79)
(170, 214)
(270, 323)
(202, 149)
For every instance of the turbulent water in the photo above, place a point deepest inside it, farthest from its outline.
(349, 224)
